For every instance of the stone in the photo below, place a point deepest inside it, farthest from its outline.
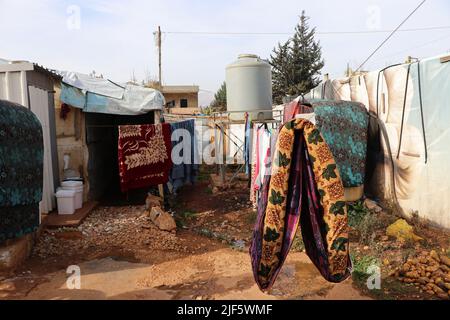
(432, 268)
(165, 222)
(435, 256)
(402, 231)
(445, 260)
(412, 275)
(155, 212)
(14, 253)
(372, 206)
(408, 280)
(436, 289)
(423, 280)
(443, 296)
(406, 267)
(153, 201)
(444, 268)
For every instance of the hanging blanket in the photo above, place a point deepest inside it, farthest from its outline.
(253, 167)
(293, 108)
(184, 170)
(21, 170)
(344, 126)
(144, 155)
(304, 189)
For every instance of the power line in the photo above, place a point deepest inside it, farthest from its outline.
(390, 35)
(432, 28)
(412, 48)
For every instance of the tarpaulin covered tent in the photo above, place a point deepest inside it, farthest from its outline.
(412, 102)
(100, 106)
(98, 95)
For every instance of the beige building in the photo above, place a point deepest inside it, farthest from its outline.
(181, 99)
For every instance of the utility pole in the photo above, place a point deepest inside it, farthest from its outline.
(159, 53)
(158, 114)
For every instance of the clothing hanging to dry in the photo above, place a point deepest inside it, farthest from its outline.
(305, 188)
(144, 155)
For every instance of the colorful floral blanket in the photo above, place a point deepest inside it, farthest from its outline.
(305, 188)
(144, 155)
(21, 170)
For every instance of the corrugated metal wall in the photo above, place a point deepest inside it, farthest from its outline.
(14, 87)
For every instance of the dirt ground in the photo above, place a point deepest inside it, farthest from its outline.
(122, 255)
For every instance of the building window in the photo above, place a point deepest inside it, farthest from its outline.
(171, 104)
(183, 103)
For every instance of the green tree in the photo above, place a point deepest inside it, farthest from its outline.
(220, 99)
(296, 64)
(281, 75)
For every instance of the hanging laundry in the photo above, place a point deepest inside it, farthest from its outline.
(21, 171)
(305, 189)
(144, 155)
(254, 174)
(187, 171)
(261, 158)
(293, 108)
(247, 144)
(344, 126)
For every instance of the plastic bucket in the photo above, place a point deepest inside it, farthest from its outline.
(76, 186)
(66, 202)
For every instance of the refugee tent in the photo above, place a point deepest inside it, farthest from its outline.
(100, 106)
(412, 103)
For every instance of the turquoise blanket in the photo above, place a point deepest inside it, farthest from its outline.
(21, 170)
(344, 126)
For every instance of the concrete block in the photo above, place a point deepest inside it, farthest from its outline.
(14, 252)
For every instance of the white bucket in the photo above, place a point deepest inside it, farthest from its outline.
(76, 186)
(66, 202)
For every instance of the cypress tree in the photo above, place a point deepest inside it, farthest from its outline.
(281, 77)
(220, 99)
(296, 65)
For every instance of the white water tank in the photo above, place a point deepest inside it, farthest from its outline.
(249, 88)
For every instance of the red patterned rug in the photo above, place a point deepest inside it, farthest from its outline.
(144, 155)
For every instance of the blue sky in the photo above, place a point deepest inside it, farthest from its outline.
(115, 37)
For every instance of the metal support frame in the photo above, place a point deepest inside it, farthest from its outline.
(222, 121)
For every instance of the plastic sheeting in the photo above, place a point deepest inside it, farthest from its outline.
(98, 86)
(415, 155)
(103, 96)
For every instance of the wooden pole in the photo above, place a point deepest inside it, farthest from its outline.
(159, 113)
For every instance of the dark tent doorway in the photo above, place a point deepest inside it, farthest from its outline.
(102, 133)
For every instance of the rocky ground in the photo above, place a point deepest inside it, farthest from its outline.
(124, 255)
